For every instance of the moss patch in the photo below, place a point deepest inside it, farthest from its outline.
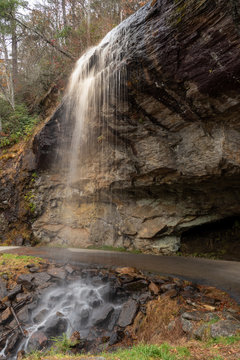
(11, 264)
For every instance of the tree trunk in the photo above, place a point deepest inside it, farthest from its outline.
(73, 10)
(88, 21)
(8, 86)
(64, 13)
(14, 52)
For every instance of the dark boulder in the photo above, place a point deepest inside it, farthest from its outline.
(14, 292)
(102, 317)
(116, 337)
(137, 285)
(26, 280)
(3, 289)
(40, 316)
(225, 328)
(58, 273)
(55, 326)
(41, 278)
(37, 341)
(128, 313)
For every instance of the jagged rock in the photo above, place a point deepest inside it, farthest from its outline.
(30, 266)
(108, 292)
(5, 316)
(69, 269)
(170, 293)
(55, 326)
(199, 315)
(14, 292)
(116, 337)
(102, 318)
(114, 318)
(154, 288)
(26, 280)
(167, 287)
(127, 271)
(41, 278)
(142, 299)
(187, 325)
(37, 341)
(138, 285)
(40, 316)
(3, 289)
(58, 273)
(201, 332)
(23, 297)
(23, 315)
(128, 313)
(225, 328)
(34, 269)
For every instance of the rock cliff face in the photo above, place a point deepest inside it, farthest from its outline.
(169, 159)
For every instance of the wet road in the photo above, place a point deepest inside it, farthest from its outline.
(221, 274)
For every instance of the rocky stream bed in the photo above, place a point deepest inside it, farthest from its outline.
(101, 308)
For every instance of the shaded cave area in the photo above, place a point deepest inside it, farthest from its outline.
(218, 240)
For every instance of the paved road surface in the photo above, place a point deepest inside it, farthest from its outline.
(222, 274)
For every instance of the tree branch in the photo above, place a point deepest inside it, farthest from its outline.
(43, 37)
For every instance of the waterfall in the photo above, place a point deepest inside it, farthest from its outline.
(95, 103)
(95, 93)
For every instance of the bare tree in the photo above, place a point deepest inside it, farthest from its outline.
(64, 13)
(6, 79)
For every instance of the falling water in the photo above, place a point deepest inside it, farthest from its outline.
(96, 91)
(95, 99)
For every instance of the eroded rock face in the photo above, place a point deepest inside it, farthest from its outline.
(166, 161)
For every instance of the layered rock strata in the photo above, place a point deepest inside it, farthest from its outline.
(167, 158)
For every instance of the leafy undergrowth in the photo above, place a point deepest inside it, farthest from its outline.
(219, 349)
(11, 264)
(17, 124)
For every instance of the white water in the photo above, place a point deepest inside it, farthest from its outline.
(95, 96)
(97, 89)
(77, 304)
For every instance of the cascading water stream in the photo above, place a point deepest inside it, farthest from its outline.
(96, 88)
(95, 96)
(96, 92)
(78, 306)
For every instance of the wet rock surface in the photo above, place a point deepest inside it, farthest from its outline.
(156, 156)
(128, 313)
(94, 306)
(178, 137)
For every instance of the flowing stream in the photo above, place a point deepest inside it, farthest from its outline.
(86, 306)
(77, 306)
